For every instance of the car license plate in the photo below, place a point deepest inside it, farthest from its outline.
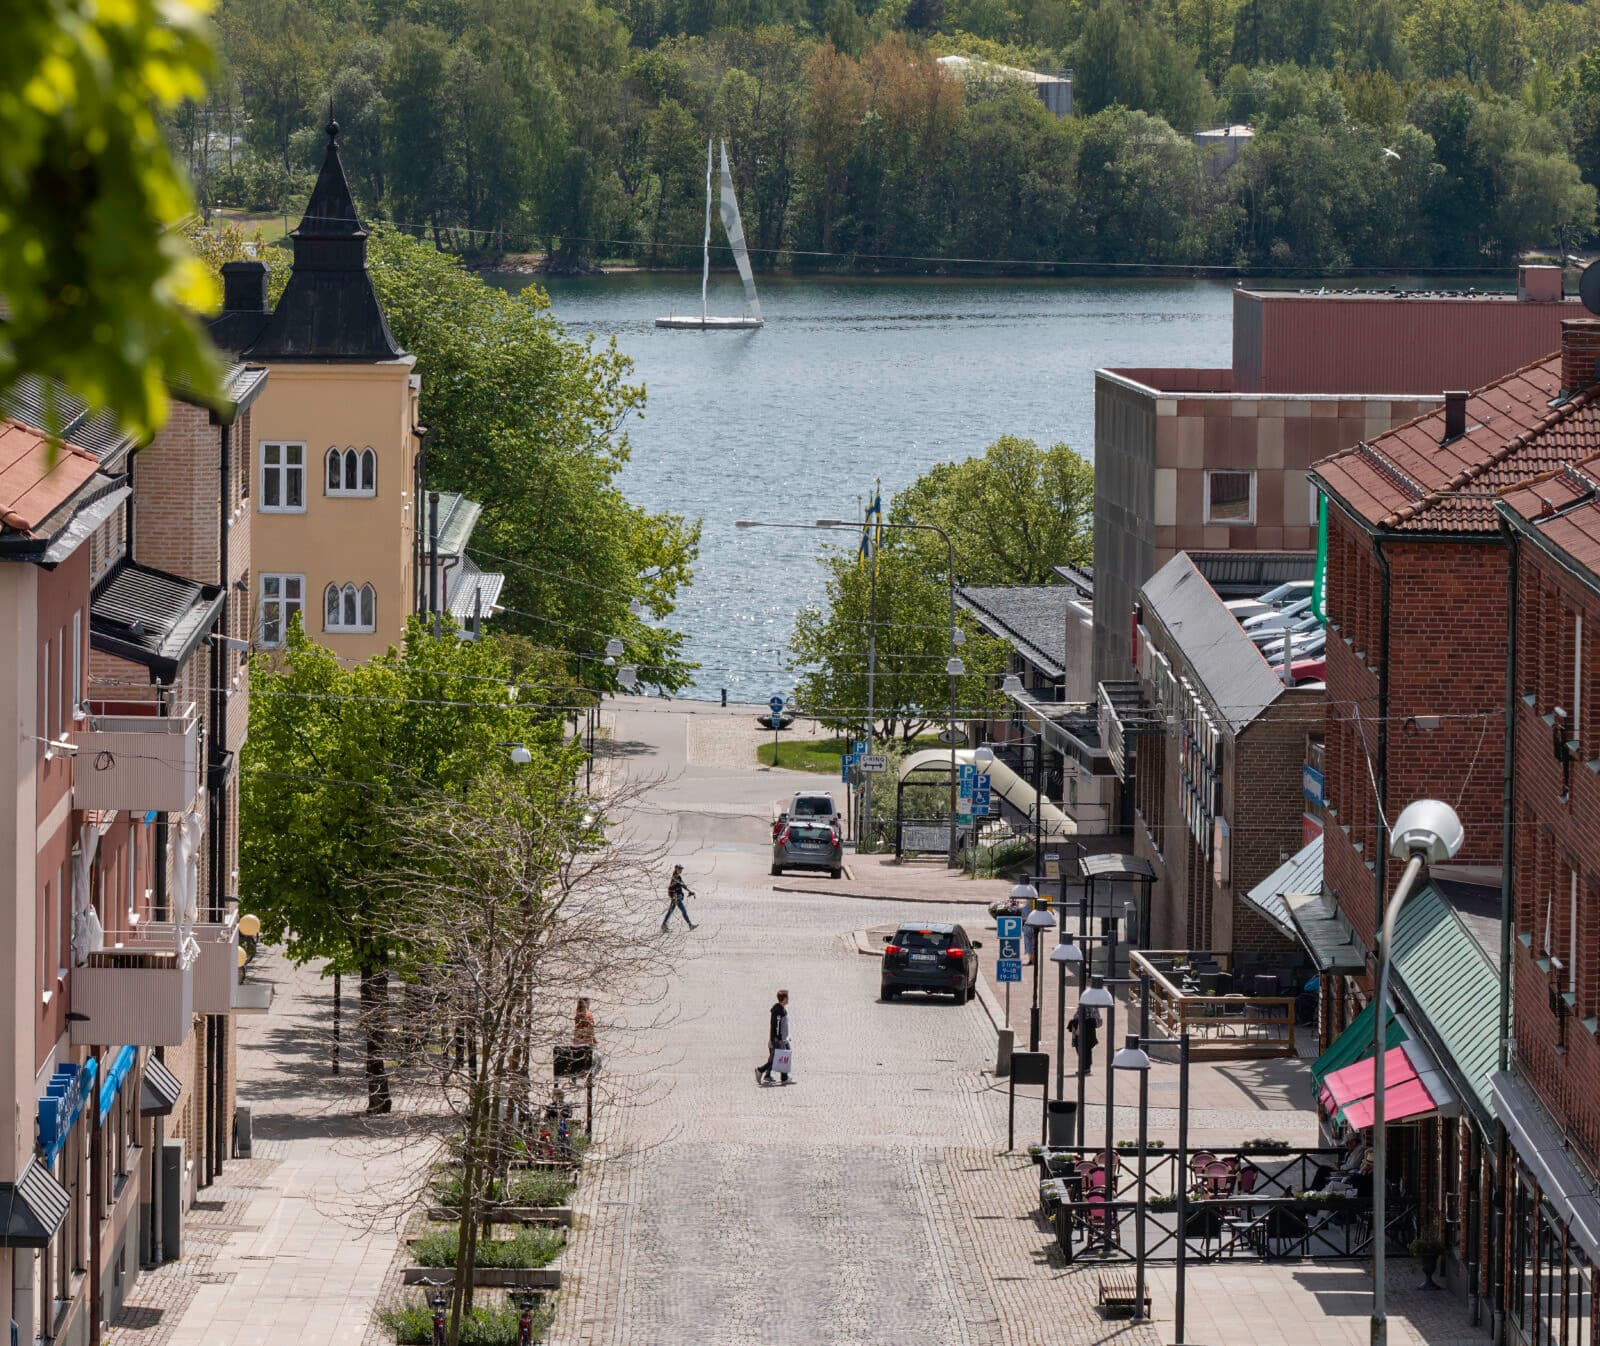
(922, 958)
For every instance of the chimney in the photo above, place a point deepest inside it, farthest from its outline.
(1455, 416)
(1580, 348)
(1539, 284)
(244, 287)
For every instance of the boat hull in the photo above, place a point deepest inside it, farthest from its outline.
(712, 324)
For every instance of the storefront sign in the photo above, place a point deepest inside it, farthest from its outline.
(1311, 785)
(62, 1105)
(116, 1072)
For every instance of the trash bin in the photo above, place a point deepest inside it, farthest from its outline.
(1062, 1117)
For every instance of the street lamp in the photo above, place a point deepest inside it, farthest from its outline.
(1426, 832)
(1096, 997)
(628, 677)
(1134, 1057)
(1038, 921)
(1066, 953)
(983, 758)
(520, 756)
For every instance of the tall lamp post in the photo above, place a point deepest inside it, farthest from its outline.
(1133, 1056)
(1426, 832)
(1038, 920)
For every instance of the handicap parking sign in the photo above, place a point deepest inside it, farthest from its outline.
(1009, 949)
(1008, 969)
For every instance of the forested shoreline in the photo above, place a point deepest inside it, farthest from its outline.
(1388, 134)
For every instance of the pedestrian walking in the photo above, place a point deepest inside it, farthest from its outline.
(778, 1049)
(677, 889)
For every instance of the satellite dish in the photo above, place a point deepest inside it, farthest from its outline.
(1589, 287)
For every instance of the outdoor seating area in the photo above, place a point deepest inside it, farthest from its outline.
(1196, 992)
(1250, 1204)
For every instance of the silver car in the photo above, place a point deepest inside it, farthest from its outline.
(801, 845)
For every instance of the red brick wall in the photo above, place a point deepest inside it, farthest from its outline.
(1262, 797)
(1557, 831)
(176, 496)
(1447, 643)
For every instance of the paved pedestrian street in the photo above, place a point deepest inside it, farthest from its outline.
(869, 1201)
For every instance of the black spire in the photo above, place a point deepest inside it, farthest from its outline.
(329, 310)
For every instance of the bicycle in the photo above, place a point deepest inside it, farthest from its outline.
(527, 1301)
(437, 1301)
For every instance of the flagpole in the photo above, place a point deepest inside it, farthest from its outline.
(876, 508)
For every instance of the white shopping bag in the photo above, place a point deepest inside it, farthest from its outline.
(782, 1058)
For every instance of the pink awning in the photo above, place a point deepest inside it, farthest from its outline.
(1358, 1080)
(1400, 1101)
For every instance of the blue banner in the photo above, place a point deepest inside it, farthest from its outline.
(116, 1072)
(62, 1105)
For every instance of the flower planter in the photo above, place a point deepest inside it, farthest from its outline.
(511, 1214)
(502, 1278)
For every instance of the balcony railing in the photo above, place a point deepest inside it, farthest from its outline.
(216, 965)
(138, 762)
(141, 993)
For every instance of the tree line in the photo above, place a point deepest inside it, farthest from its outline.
(1438, 133)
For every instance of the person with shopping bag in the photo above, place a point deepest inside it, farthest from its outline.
(779, 1053)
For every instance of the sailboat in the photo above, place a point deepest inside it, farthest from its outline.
(731, 225)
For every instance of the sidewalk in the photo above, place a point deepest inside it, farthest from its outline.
(294, 1244)
(878, 877)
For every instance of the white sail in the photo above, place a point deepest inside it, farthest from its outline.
(705, 260)
(734, 229)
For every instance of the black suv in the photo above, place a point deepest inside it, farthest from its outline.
(919, 957)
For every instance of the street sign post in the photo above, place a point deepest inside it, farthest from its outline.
(873, 762)
(1008, 966)
(775, 705)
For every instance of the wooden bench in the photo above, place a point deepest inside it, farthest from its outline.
(1119, 1294)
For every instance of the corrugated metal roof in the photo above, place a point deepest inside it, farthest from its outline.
(1324, 932)
(151, 617)
(1451, 991)
(39, 402)
(458, 516)
(1030, 617)
(1300, 873)
(472, 592)
(1233, 672)
(159, 1090)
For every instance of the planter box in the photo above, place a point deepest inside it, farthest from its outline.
(512, 1215)
(491, 1278)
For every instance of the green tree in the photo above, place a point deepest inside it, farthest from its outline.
(1013, 514)
(910, 689)
(101, 291)
(333, 749)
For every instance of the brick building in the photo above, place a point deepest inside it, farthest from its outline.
(1220, 758)
(125, 568)
(1548, 1095)
(1213, 459)
(1418, 598)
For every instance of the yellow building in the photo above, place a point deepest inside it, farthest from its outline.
(338, 452)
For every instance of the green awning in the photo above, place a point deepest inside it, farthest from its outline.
(1450, 992)
(1355, 1044)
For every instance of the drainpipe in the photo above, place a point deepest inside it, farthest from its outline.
(433, 552)
(1381, 873)
(216, 842)
(1502, 1144)
(97, 1189)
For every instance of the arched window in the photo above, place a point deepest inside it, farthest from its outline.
(351, 472)
(348, 608)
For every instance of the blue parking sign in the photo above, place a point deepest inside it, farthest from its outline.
(1008, 969)
(1008, 927)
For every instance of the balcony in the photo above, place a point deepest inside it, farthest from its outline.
(216, 965)
(140, 993)
(138, 763)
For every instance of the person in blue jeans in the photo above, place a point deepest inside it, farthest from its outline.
(676, 890)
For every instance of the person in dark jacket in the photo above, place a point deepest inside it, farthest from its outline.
(677, 889)
(777, 1036)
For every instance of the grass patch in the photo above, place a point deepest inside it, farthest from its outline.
(486, 1325)
(822, 754)
(274, 226)
(526, 1249)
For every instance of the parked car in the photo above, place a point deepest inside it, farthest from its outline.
(930, 957)
(801, 845)
(809, 806)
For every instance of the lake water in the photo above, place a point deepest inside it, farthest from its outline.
(852, 380)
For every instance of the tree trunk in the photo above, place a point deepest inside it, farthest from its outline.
(374, 1005)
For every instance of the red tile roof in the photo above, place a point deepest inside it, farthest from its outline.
(1407, 480)
(36, 478)
(1564, 509)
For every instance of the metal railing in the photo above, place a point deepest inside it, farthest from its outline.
(1227, 1024)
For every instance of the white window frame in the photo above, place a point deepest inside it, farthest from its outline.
(278, 473)
(1250, 518)
(285, 605)
(343, 457)
(349, 592)
(77, 666)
